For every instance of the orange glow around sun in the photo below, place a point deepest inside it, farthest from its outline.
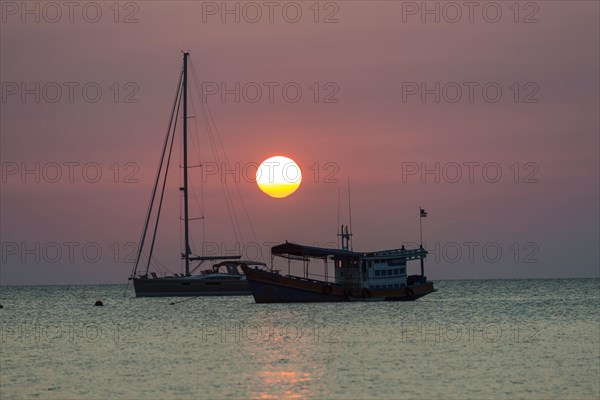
(278, 176)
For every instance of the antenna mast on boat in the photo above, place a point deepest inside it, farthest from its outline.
(185, 169)
(338, 214)
(350, 217)
(345, 235)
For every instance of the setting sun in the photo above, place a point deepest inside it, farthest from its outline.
(278, 176)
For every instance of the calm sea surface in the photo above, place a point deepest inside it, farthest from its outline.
(530, 339)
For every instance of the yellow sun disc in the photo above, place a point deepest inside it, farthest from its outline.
(278, 176)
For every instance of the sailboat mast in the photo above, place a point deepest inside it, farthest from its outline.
(185, 169)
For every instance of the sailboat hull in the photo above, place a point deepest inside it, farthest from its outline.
(189, 286)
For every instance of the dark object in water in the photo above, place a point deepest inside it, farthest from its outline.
(98, 303)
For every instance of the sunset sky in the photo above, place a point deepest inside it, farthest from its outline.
(367, 72)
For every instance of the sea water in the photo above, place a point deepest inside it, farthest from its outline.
(478, 339)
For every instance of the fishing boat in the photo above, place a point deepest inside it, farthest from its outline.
(224, 277)
(359, 276)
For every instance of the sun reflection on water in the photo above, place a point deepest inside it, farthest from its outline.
(285, 384)
(286, 366)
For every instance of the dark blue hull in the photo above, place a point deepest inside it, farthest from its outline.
(270, 287)
(274, 293)
(175, 287)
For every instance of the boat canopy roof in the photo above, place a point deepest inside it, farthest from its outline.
(299, 251)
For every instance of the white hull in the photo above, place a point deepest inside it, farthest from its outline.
(190, 286)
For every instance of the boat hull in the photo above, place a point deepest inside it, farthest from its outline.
(270, 287)
(269, 292)
(185, 286)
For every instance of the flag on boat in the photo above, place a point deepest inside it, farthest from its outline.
(423, 213)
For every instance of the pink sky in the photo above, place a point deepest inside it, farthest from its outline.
(370, 133)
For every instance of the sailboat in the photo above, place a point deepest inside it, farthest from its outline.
(224, 277)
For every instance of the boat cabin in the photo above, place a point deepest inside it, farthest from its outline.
(356, 270)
